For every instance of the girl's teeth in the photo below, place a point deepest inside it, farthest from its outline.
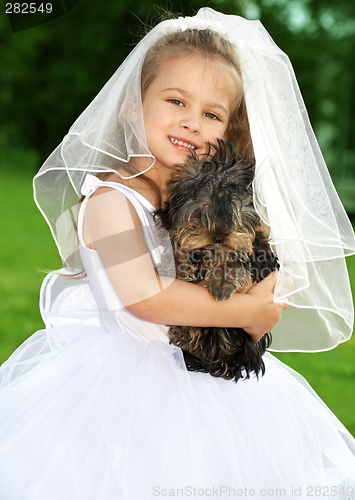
(180, 143)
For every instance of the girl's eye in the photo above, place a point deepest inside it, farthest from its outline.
(177, 102)
(212, 116)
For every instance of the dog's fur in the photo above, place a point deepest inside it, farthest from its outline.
(218, 237)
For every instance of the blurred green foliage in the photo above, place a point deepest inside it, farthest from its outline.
(28, 252)
(50, 73)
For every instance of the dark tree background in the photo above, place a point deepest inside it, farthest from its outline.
(50, 73)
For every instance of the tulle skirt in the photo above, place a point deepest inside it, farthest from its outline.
(90, 415)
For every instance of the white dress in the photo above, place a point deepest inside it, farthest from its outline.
(99, 406)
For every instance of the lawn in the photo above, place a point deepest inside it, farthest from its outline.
(27, 251)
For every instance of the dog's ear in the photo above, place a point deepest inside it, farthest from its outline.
(183, 185)
(243, 172)
(239, 168)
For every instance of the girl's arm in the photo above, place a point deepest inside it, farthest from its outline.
(112, 227)
(183, 303)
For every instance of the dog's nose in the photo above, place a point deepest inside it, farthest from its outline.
(218, 239)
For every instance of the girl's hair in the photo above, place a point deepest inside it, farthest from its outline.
(214, 48)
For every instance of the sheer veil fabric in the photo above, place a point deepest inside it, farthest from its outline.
(99, 405)
(293, 192)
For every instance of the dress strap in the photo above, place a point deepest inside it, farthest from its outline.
(142, 206)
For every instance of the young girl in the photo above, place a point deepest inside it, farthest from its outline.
(99, 405)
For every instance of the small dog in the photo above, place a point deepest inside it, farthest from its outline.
(217, 237)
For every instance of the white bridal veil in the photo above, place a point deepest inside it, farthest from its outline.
(294, 194)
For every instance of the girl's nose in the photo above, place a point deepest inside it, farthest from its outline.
(191, 123)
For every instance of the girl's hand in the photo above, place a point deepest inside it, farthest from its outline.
(263, 311)
(124, 255)
(267, 312)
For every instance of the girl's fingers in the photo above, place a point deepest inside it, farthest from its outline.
(285, 303)
(271, 280)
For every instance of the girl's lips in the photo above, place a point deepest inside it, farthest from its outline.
(182, 144)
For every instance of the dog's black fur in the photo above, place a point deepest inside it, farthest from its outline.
(217, 237)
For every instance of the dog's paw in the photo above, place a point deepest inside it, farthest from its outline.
(219, 292)
(166, 268)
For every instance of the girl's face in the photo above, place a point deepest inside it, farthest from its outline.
(187, 105)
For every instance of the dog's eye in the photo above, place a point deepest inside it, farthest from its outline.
(196, 255)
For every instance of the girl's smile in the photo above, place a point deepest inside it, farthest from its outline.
(187, 105)
(181, 144)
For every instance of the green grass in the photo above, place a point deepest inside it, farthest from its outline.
(27, 251)
(331, 373)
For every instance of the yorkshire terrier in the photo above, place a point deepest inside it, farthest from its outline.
(218, 238)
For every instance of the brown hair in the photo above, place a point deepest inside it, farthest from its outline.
(212, 47)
